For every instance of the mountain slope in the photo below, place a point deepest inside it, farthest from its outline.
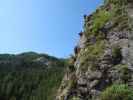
(103, 56)
(30, 76)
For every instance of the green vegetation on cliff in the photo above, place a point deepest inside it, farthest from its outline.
(117, 92)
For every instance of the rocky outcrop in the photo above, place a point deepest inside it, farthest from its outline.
(105, 53)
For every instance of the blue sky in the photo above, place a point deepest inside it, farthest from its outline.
(44, 26)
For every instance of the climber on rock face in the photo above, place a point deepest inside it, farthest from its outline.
(81, 34)
(76, 50)
(85, 16)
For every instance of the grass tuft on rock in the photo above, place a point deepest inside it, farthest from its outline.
(117, 92)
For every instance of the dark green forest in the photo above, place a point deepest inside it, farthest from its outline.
(30, 76)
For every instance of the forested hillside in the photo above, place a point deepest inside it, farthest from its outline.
(29, 76)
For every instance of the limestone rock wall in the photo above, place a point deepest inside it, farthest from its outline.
(104, 54)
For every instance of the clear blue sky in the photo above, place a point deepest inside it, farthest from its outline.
(44, 26)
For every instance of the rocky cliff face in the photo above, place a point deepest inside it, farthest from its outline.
(104, 54)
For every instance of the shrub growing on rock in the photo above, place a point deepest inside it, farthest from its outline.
(100, 19)
(117, 92)
(118, 2)
(116, 53)
(75, 98)
(124, 72)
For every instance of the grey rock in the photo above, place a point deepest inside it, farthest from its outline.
(95, 94)
(93, 83)
(125, 54)
(94, 75)
(83, 90)
(82, 42)
(82, 81)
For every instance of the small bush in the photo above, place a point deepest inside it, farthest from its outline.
(117, 2)
(100, 19)
(116, 52)
(125, 75)
(73, 81)
(117, 92)
(70, 63)
(71, 68)
(117, 56)
(75, 98)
